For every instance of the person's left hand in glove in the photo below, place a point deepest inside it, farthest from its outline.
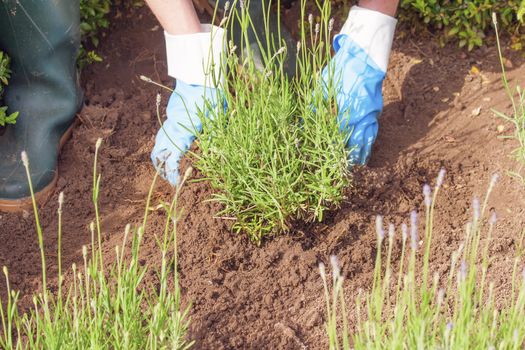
(358, 70)
(194, 59)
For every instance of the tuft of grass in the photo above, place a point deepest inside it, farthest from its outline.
(275, 152)
(102, 306)
(517, 118)
(407, 308)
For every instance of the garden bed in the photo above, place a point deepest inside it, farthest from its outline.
(244, 296)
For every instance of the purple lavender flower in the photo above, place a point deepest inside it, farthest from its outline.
(448, 329)
(494, 179)
(331, 24)
(413, 230)
(463, 270)
(427, 192)
(476, 208)
(336, 269)
(379, 227)
(441, 177)
(322, 269)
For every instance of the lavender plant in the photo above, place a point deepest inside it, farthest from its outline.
(106, 306)
(275, 154)
(415, 310)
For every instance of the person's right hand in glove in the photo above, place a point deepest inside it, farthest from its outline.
(188, 57)
(194, 54)
(358, 70)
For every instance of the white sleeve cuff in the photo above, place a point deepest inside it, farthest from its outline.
(196, 58)
(373, 31)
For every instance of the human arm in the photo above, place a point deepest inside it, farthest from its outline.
(387, 7)
(176, 16)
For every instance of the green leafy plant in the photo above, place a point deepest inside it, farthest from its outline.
(411, 309)
(5, 74)
(466, 22)
(276, 153)
(104, 306)
(93, 18)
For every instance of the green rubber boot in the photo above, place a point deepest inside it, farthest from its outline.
(42, 38)
(256, 11)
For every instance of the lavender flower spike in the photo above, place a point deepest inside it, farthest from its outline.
(331, 24)
(463, 270)
(476, 208)
(413, 230)
(427, 193)
(322, 269)
(494, 179)
(379, 228)
(336, 268)
(441, 177)
(391, 232)
(404, 232)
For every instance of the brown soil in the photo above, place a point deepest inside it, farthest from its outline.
(271, 296)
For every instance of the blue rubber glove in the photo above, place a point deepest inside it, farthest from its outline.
(358, 94)
(180, 128)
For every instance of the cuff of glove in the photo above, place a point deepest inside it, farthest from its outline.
(196, 58)
(373, 31)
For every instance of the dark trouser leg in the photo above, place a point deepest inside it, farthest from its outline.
(256, 11)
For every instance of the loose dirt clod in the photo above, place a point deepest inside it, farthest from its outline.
(289, 333)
